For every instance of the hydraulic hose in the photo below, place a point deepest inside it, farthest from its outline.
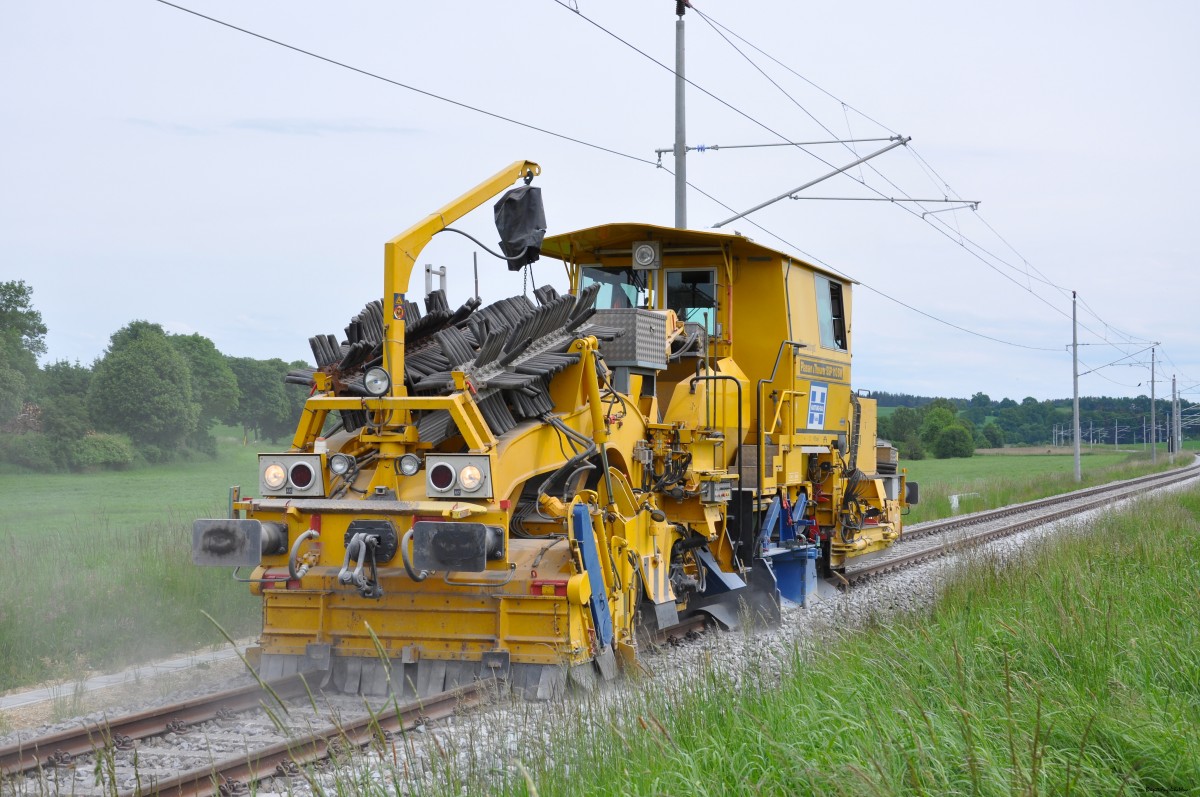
(295, 572)
(424, 574)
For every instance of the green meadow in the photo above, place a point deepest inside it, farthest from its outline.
(987, 481)
(98, 571)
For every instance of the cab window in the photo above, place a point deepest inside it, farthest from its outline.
(692, 294)
(831, 313)
(619, 289)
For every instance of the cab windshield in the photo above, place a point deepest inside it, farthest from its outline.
(622, 289)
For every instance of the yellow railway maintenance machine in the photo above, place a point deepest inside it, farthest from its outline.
(518, 489)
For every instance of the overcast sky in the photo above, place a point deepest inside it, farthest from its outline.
(155, 165)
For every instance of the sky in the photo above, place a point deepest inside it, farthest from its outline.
(156, 165)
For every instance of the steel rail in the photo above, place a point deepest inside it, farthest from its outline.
(986, 516)
(1124, 490)
(691, 625)
(226, 777)
(25, 755)
(91, 737)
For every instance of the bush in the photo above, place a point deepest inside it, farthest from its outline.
(31, 450)
(910, 448)
(953, 441)
(157, 454)
(113, 451)
(202, 441)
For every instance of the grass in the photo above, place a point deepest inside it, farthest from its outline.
(32, 505)
(1073, 672)
(990, 481)
(98, 574)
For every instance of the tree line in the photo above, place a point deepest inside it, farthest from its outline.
(151, 396)
(921, 425)
(155, 396)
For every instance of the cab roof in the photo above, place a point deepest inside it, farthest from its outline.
(616, 241)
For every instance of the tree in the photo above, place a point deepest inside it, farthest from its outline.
(19, 319)
(935, 421)
(64, 415)
(21, 341)
(953, 441)
(142, 388)
(62, 378)
(262, 402)
(13, 391)
(65, 420)
(267, 405)
(979, 408)
(214, 386)
(904, 423)
(993, 435)
(297, 395)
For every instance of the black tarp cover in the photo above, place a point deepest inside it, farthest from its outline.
(521, 222)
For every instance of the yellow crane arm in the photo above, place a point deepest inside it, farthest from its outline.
(400, 257)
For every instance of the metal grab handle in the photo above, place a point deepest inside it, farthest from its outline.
(512, 569)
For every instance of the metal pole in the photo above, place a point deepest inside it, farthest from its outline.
(475, 268)
(680, 124)
(1171, 448)
(1178, 423)
(1075, 380)
(1153, 420)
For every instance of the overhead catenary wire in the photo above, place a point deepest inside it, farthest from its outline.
(1178, 370)
(1115, 362)
(964, 241)
(609, 150)
(1106, 378)
(430, 94)
(922, 162)
(932, 222)
(875, 290)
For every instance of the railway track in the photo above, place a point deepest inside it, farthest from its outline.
(138, 754)
(938, 538)
(133, 755)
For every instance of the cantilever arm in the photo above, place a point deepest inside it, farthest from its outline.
(400, 257)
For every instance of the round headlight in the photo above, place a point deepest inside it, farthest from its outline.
(470, 478)
(376, 381)
(410, 464)
(341, 464)
(644, 255)
(274, 476)
(441, 477)
(301, 475)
